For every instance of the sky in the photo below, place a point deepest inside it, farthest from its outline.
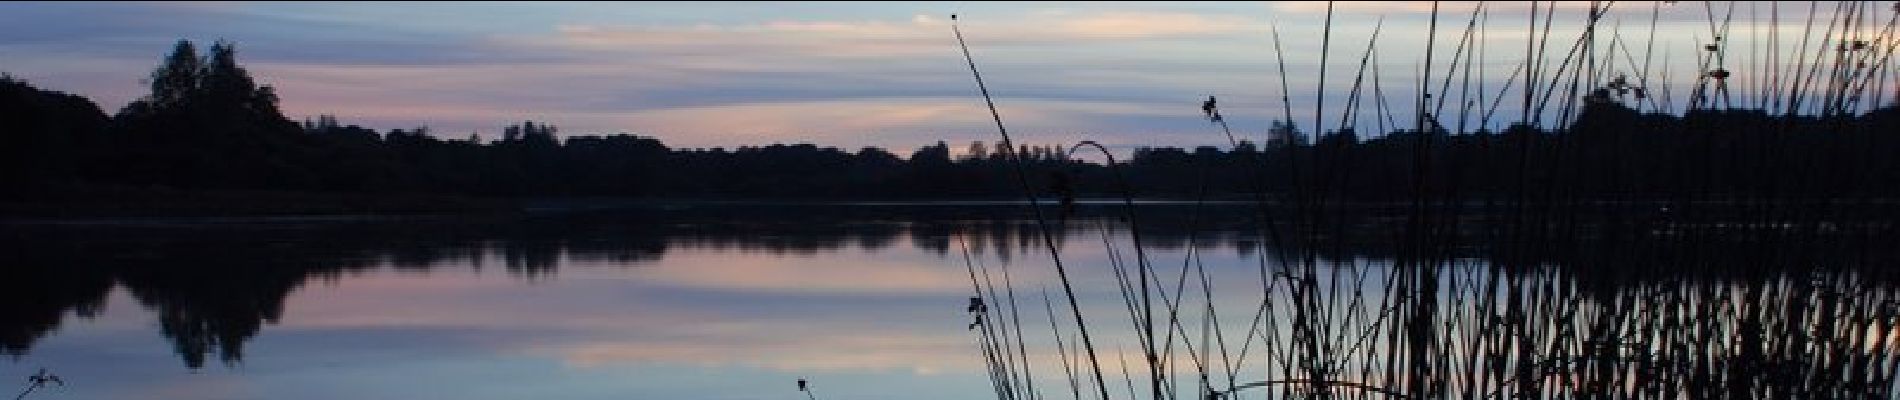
(888, 74)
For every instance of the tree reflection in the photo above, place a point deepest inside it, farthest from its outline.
(214, 287)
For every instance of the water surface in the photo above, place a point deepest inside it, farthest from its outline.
(739, 301)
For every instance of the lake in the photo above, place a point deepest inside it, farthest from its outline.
(872, 300)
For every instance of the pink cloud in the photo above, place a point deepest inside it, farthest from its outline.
(828, 351)
(866, 274)
(1154, 25)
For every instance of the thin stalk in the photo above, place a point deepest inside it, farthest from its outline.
(1042, 223)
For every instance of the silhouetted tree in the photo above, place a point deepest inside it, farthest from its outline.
(209, 125)
(48, 137)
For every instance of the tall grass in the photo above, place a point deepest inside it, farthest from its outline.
(1542, 293)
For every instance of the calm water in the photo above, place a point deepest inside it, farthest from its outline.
(866, 301)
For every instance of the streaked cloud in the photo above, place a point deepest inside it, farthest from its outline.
(785, 351)
(846, 75)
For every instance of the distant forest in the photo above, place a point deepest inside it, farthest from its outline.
(207, 125)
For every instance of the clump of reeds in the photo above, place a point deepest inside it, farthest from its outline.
(1567, 299)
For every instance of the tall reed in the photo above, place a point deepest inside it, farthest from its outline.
(1545, 291)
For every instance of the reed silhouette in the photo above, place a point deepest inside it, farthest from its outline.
(1608, 244)
(39, 380)
(1619, 237)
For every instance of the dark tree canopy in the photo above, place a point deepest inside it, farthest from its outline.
(47, 136)
(208, 124)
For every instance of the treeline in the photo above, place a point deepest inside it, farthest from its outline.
(207, 125)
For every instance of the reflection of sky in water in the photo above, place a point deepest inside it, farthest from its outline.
(700, 322)
(615, 309)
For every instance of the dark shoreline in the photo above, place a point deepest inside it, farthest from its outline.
(122, 203)
(111, 203)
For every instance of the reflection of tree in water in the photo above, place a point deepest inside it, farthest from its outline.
(1703, 309)
(35, 298)
(614, 251)
(212, 296)
(213, 288)
(531, 259)
(213, 309)
(1544, 334)
(1601, 301)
